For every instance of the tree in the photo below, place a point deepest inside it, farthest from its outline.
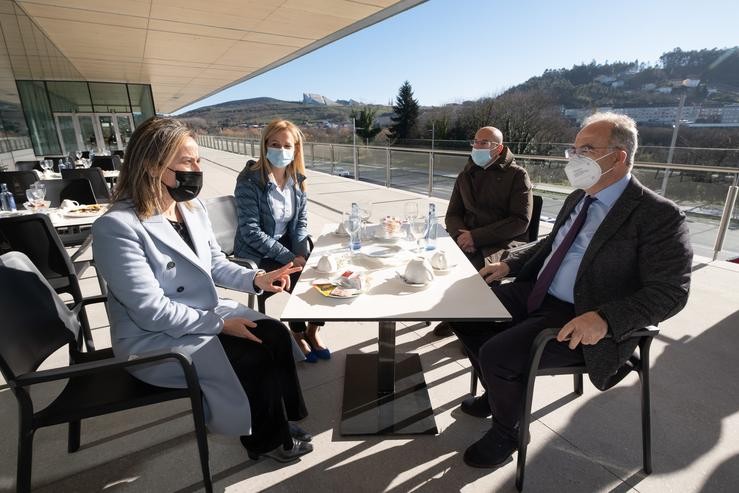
(406, 113)
(365, 123)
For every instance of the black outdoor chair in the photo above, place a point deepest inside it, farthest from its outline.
(119, 152)
(18, 182)
(222, 216)
(95, 177)
(28, 166)
(77, 189)
(97, 383)
(107, 163)
(35, 236)
(637, 362)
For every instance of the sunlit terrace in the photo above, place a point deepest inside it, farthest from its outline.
(585, 444)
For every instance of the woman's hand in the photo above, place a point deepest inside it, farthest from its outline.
(278, 280)
(239, 327)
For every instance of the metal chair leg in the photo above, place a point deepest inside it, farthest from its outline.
(202, 438)
(646, 408)
(25, 459)
(578, 383)
(73, 436)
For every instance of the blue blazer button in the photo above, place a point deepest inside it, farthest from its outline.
(180, 289)
(170, 265)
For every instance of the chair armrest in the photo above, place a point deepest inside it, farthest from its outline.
(244, 262)
(521, 248)
(650, 331)
(87, 301)
(80, 369)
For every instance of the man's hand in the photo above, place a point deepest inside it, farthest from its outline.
(299, 261)
(278, 280)
(239, 327)
(588, 329)
(465, 241)
(495, 271)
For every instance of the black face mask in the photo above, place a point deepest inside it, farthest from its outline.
(187, 185)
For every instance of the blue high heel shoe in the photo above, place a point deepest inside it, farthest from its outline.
(322, 353)
(312, 357)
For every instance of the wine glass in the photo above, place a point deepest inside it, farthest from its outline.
(47, 166)
(78, 154)
(410, 209)
(352, 225)
(418, 228)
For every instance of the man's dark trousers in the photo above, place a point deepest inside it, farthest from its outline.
(500, 351)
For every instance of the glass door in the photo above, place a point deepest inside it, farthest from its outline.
(68, 134)
(89, 134)
(125, 129)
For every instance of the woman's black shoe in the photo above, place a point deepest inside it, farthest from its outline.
(478, 407)
(299, 433)
(281, 455)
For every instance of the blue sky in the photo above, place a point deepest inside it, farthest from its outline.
(455, 50)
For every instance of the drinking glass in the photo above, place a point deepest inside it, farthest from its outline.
(410, 210)
(78, 154)
(352, 224)
(47, 166)
(418, 228)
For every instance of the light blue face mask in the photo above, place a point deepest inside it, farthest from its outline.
(280, 158)
(480, 157)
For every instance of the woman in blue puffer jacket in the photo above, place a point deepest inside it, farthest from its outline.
(273, 220)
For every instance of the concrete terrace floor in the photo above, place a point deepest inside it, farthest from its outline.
(592, 443)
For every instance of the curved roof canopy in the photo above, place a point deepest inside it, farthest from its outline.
(188, 49)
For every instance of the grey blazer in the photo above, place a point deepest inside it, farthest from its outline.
(636, 272)
(162, 295)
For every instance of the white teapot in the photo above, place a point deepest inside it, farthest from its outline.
(418, 271)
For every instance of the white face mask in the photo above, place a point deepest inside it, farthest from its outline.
(583, 172)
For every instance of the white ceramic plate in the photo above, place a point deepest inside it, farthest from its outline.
(381, 251)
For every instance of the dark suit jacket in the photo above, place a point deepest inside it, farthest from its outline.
(636, 271)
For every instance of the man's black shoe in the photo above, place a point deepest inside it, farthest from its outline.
(444, 329)
(478, 407)
(491, 451)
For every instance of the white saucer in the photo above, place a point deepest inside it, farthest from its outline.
(444, 271)
(417, 285)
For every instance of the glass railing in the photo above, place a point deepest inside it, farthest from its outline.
(701, 191)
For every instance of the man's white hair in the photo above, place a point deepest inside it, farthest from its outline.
(624, 134)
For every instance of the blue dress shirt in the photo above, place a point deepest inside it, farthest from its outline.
(563, 284)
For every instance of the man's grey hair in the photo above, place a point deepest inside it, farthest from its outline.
(624, 134)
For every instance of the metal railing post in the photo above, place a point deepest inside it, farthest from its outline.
(387, 167)
(431, 173)
(253, 153)
(725, 219)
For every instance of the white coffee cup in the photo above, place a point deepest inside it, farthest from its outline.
(440, 260)
(327, 264)
(418, 271)
(69, 204)
(341, 229)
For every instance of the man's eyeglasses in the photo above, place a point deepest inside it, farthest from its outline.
(585, 150)
(484, 143)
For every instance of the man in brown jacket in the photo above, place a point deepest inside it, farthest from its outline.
(491, 203)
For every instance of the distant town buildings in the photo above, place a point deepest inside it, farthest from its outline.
(725, 116)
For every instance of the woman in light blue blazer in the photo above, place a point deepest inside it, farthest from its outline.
(157, 252)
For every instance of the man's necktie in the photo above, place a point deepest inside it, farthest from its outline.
(541, 287)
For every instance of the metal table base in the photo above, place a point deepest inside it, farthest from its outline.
(385, 395)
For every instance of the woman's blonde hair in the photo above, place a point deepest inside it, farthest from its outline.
(151, 149)
(294, 168)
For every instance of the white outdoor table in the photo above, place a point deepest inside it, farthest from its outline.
(385, 393)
